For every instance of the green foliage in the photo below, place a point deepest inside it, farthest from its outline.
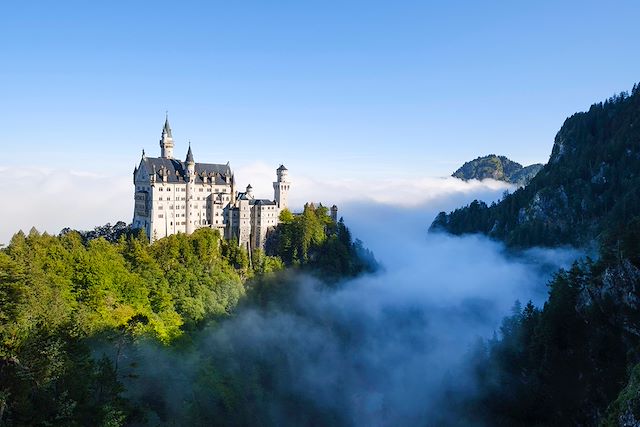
(566, 363)
(625, 410)
(589, 187)
(56, 292)
(562, 364)
(313, 241)
(61, 296)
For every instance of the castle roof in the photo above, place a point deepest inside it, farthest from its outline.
(262, 202)
(176, 170)
(190, 155)
(282, 168)
(252, 201)
(167, 129)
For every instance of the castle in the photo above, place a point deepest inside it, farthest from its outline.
(174, 196)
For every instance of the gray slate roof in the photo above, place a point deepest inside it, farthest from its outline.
(262, 202)
(167, 129)
(176, 170)
(190, 155)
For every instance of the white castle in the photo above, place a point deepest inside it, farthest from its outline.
(172, 196)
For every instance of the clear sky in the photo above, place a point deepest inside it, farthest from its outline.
(360, 88)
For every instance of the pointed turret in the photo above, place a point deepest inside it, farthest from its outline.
(167, 129)
(190, 155)
(166, 141)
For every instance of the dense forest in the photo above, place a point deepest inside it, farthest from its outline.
(590, 185)
(103, 328)
(574, 361)
(77, 306)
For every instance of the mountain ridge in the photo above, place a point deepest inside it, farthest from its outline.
(497, 167)
(588, 189)
(575, 360)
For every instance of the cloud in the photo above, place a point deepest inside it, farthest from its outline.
(51, 199)
(376, 351)
(332, 188)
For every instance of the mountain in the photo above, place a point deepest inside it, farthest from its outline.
(589, 188)
(497, 167)
(576, 359)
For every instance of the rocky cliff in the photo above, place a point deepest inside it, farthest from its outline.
(590, 186)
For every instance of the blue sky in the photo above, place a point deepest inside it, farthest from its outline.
(354, 88)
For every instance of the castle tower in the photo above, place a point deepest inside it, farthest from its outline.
(249, 191)
(334, 213)
(166, 142)
(281, 187)
(190, 178)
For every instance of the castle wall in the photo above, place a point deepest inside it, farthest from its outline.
(263, 219)
(170, 204)
(165, 204)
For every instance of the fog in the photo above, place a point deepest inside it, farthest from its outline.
(381, 350)
(52, 199)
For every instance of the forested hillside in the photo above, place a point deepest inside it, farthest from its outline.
(589, 187)
(61, 297)
(573, 361)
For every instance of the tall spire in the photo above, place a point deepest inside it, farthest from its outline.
(166, 141)
(167, 129)
(190, 155)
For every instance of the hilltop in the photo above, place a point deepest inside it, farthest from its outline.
(499, 168)
(589, 188)
(574, 361)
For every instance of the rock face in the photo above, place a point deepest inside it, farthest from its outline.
(590, 186)
(499, 168)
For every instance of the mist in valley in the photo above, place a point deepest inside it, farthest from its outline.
(386, 349)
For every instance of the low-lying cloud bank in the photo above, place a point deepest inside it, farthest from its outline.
(52, 199)
(380, 350)
(384, 189)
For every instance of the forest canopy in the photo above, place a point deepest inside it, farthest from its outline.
(63, 295)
